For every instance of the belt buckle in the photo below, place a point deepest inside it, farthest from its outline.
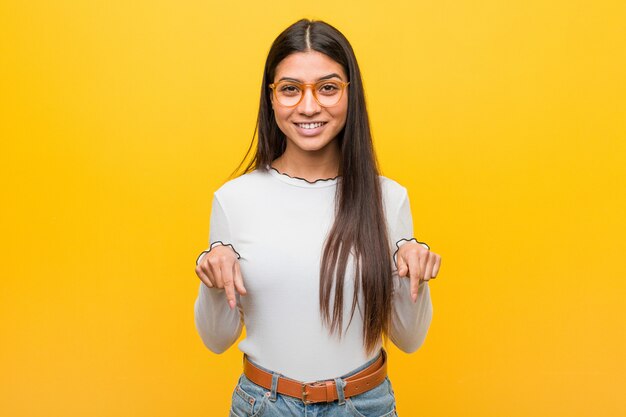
(304, 393)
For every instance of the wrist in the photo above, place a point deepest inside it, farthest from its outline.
(214, 244)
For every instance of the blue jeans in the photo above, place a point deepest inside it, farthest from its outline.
(252, 400)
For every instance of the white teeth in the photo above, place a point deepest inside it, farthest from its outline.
(309, 125)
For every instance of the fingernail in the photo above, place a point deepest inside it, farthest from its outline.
(232, 304)
(414, 297)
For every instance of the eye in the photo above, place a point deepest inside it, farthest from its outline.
(329, 88)
(288, 89)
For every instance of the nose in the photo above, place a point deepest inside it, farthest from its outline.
(308, 105)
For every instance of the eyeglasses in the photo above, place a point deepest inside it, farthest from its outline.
(326, 92)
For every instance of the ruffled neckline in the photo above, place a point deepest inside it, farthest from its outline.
(302, 182)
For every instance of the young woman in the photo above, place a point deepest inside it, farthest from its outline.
(310, 237)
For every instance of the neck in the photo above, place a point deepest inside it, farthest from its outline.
(310, 165)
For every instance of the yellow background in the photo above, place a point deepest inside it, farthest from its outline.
(505, 120)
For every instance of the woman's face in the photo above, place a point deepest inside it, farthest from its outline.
(310, 67)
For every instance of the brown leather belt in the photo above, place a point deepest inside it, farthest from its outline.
(321, 391)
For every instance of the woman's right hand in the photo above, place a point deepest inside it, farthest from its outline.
(219, 268)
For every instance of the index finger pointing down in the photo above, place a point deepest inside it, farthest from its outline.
(229, 286)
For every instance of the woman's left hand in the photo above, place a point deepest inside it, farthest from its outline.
(417, 263)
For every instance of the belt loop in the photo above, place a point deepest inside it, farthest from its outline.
(275, 377)
(340, 383)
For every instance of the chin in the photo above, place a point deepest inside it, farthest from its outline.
(312, 144)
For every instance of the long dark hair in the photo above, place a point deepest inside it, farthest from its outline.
(360, 225)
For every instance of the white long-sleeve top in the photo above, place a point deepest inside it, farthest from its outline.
(277, 225)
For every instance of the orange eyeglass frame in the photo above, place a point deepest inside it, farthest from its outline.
(303, 86)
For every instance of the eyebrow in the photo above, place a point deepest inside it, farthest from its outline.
(325, 77)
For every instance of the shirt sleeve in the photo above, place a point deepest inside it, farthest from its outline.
(409, 321)
(218, 326)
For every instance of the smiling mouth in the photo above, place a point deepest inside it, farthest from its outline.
(310, 125)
